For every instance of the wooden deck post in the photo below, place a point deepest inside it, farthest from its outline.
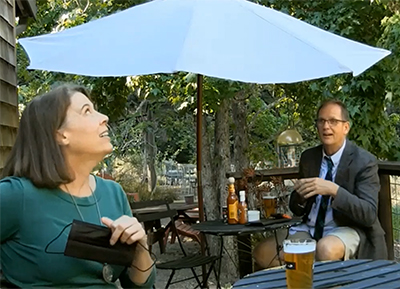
(385, 213)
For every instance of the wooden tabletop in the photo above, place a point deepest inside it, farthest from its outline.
(354, 274)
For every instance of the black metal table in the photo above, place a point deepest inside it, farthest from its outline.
(221, 229)
(354, 274)
(162, 233)
(178, 206)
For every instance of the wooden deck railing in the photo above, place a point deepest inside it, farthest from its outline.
(386, 169)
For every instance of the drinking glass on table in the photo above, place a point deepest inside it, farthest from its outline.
(299, 260)
(270, 204)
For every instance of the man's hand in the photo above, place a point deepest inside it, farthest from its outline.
(315, 186)
(126, 229)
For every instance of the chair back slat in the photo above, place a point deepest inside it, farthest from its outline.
(175, 231)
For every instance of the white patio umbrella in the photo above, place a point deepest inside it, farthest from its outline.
(231, 39)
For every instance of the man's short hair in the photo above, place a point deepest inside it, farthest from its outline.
(345, 112)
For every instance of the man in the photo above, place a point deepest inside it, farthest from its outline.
(337, 194)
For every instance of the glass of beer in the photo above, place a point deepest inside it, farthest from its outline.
(269, 203)
(299, 262)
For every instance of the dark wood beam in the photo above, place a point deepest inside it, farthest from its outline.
(285, 173)
(389, 168)
(385, 168)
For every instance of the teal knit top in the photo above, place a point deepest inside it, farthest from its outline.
(32, 217)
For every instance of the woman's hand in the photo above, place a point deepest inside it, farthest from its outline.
(126, 229)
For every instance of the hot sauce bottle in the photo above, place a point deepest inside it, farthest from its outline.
(243, 218)
(232, 202)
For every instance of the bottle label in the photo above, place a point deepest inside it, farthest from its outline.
(233, 211)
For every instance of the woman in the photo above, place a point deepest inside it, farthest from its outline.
(48, 183)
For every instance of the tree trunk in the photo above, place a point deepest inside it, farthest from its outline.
(149, 149)
(211, 199)
(241, 162)
(241, 140)
(152, 151)
(221, 166)
(241, 143)
(221, 151)
(145, 173)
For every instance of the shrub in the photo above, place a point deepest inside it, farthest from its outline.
(132, 185)
(161, 193)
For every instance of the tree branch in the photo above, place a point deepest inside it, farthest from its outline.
(272, 104)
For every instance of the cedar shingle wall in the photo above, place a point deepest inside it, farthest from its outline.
(8, 80)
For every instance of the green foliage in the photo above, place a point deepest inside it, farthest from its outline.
(396, 222)
(161, 193)
(216, 89)
(132, 185)
(390, 40)
(373, 127)
(172, 102)
(265, 126)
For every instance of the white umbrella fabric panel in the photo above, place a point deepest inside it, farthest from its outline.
(230, 39)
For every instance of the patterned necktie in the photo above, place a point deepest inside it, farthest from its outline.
(319, 224)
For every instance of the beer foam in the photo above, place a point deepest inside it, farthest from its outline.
(299, 248)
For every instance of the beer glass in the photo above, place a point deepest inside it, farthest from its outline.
(269, 206)
(299, 260)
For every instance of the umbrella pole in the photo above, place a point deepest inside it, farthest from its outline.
(199, 163)
(199, 145)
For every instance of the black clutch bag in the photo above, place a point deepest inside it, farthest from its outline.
(92, 242)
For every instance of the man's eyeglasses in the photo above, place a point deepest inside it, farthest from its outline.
(331, 122)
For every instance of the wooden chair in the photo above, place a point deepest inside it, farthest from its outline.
(152, 220)
(188, 261)
(186, 230)
(185, 261)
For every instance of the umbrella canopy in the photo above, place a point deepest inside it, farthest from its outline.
(231, 39)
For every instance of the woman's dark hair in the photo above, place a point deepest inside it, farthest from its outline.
(36, 154)
(345, 112)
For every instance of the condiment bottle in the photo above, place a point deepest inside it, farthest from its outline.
(243, 217)
(232, 202)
